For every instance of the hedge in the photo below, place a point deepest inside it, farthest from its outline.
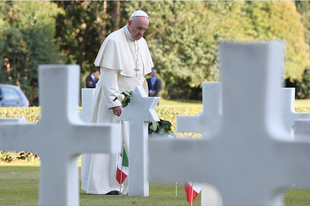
(32, 115)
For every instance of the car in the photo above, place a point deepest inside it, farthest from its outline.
(12, 96)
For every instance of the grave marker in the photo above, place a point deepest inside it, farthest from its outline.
(208, 119)
(289, 113)
(60, 135)
(85, 113)
(251, 160)
(139, 111)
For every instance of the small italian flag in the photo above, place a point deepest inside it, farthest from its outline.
(122, 167)
(192, 189)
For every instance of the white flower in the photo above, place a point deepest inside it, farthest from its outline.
(120, 97)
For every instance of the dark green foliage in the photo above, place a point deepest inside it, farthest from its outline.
(76, 30)
(13, 156)
(8, 156)
(302, 6)
(183, 37)
(126, 98)
(161, 127)
(27, 40)
(29, 156)
(303, 87)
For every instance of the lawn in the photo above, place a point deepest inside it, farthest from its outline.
(19, 187)
(165, 102)
(302, 103)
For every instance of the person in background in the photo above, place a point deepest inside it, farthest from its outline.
(92, 79)
(154, 84)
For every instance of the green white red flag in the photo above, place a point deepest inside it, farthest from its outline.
(122, 167)
(192, 190)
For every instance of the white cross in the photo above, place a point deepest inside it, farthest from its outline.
(289, 113)
(206, 123)
(139, 111)
(251, 160)
(302, 129)
(208, 119)
(60, 135)
(12, 120)
(87, 100)
(85, 114)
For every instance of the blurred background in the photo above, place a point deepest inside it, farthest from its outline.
(182, 37)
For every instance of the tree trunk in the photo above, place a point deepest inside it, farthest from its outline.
(116, 15)
(101, 19)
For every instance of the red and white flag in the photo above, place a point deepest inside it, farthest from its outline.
(122, 167)
(192, 189)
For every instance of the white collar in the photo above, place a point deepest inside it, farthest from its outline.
(127, 33)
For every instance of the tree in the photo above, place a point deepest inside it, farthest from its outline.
(82, 29)
(27, 40)
(303, 86)
(183, 37)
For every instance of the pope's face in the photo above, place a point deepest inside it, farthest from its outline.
(137, 26)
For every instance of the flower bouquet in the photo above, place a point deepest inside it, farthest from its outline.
(162, 127)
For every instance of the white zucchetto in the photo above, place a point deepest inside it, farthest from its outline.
(139, 13)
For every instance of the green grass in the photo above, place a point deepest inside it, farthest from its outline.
(19, 187)
(164, 102)
(302, 103)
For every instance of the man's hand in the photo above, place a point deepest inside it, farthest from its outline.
(152, 93)
(117, 110)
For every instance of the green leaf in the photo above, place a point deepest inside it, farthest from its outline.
(153, 126)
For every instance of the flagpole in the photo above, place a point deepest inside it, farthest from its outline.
(120, 181)
(192, 193)
(176, 188)
(120, 184)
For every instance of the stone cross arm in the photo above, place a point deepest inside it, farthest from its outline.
(289, 159)
(208, 119)
(60, 135)
(99, 137)
(289, 113)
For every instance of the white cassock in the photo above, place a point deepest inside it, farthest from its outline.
(118, 63)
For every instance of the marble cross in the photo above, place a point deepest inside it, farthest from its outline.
(208, 119)
(60, 135)
(87, 100)
(12, 120)
(139, 112)
(251, 160)
(302, 129)
(206, 123)
(289, 113)
(85, 114)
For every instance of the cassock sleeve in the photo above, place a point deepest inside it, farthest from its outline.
(110, 87)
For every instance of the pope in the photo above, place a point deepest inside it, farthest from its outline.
(124, 59)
